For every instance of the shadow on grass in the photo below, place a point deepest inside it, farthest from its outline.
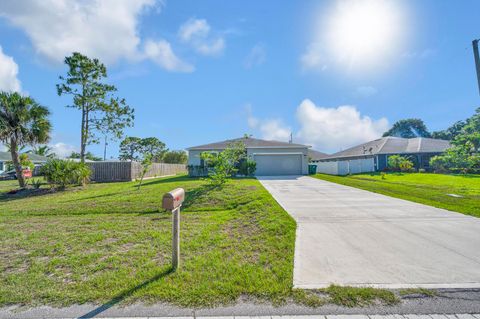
(163, 180)
(23, 193)
(125, 294)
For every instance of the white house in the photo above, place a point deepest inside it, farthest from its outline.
(373, 156)
(272, 157)
(6, 157)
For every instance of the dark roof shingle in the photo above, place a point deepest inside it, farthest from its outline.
(394, 145)
(250, 142)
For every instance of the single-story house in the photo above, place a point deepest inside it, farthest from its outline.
(315, 156)
(373, 156)
(272, 157)
(7, 157)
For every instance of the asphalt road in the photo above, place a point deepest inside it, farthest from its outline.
(451, 301)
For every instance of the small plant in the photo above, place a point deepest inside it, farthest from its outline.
(63, 173)
(400, 163)
(146, 163)
(383, 175)
(36, 183)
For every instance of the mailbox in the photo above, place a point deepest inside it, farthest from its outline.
(174, 199)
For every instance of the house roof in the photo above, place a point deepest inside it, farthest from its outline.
(250, 142)
(6, 157)
(394, 145)
(316, 155)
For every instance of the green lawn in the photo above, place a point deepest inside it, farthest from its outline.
(110, 242)
(429, 189)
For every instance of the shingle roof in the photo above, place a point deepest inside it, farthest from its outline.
(250, 142)
(6, 157)
(316, 155)
(394, 145)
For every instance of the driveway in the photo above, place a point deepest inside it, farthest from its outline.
(348, 236)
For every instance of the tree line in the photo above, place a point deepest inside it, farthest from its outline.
(23, 121)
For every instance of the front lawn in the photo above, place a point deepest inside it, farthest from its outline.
(429, 189)
(109, 242)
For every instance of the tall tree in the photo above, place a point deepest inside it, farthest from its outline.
(130, 148)
(101, 110)
(408, 128)
(153, 146)
(88, 156)
(22, 122)
(451, 132)
(175, 157)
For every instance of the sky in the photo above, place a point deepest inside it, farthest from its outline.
(332, 73)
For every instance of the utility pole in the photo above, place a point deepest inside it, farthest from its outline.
(105, 149)
(477, 60)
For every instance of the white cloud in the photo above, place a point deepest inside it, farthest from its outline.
(62, 149)
(162, 54)
(332, 129)
(423, 54)
(197, 33)
(313, 58)
(8, 73)
(106, 29)
(270, 129)
(366, 91)
(257, 56)
(325, 129)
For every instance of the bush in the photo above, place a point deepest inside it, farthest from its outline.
(400, 163)
(62, 173)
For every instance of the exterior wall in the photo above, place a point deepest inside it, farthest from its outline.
(194, 155)
(330, 168)
(302, 151)
(345, 167)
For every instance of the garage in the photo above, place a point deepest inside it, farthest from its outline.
(278, 164)
(273, 158)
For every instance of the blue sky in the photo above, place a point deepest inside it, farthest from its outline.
(202, 71)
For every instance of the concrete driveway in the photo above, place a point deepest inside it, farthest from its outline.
(348, 236)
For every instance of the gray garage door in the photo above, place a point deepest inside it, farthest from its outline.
(284, 164)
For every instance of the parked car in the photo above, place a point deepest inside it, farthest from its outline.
(12, 174)
(7, 175)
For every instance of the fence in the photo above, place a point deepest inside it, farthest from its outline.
(128, 171)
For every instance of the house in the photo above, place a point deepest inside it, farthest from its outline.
(373, 156)
(315, 156)
(272, 157)
(6, 157)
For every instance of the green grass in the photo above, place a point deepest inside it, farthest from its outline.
(109, 242)
(429, 189)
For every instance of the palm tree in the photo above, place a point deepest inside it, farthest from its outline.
(43, 150)
(22, 121)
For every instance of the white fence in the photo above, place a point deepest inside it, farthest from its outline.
(345, 167)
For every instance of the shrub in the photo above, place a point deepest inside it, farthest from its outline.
(26, 162)
(62, 173)
(251, 167)
(399, 163)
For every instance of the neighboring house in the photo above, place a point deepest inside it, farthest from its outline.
(272, 157)
(316, 156)
(373, 156)
(6, 157)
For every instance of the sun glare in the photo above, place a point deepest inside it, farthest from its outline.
(364, 33)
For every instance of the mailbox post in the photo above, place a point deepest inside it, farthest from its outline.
(172, 201)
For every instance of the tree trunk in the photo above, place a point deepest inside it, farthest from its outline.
(16, 162)
(82, 138)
